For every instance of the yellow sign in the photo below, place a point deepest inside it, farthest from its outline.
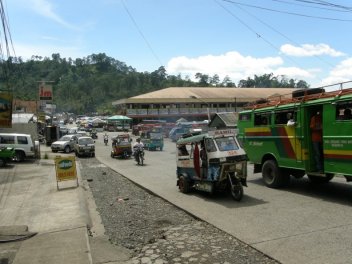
(65, 168)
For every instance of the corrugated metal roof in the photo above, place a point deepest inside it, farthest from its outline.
(229, 119)
(208, 94)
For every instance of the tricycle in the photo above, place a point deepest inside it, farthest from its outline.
(121, 146)
(210, 162)
(153, 139)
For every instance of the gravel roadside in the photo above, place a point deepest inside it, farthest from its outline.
(155, 230)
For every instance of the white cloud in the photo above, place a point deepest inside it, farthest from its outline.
(45, 8)
(308, 50)
(234, 65)
(294, 73)
(341, 73)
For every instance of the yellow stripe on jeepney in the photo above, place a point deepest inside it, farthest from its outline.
(337, 152)
(301, 154)
(256, 129)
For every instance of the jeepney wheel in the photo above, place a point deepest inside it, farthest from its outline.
(237, 192)
(273, 176)
(183, 185)
(317, 179)
(2, 162)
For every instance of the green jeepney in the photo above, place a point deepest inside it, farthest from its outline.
(276, 135)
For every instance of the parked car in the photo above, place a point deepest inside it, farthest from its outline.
(84, 146)
(22, 143)
(65, 143)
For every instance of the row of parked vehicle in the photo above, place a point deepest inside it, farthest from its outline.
(80, 143)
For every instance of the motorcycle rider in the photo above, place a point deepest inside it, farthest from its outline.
(138, 145)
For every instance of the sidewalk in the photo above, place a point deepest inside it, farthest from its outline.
(29, 198)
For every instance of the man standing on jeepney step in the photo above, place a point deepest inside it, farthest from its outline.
(317, 138)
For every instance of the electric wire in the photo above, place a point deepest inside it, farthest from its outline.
(310, 6)
(140, 32)
(255, 32)
(283, 35)
(325, 3)
(6, 36)
(288, 13)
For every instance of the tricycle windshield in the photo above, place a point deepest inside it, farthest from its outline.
(156, 135)
(226, 143)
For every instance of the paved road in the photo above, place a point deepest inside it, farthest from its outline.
(301, 224)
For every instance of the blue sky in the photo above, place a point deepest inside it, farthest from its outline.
(239, 38)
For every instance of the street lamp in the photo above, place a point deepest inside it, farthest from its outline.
(208, 111)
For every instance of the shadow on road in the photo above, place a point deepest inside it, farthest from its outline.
(336, 191)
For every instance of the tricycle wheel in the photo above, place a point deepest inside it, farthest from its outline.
(183, 185)
(237, 191)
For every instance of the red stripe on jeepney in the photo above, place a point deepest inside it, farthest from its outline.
(258, 134)
(286, 143)
(338, 156)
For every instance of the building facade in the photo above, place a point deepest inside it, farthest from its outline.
(192, 103)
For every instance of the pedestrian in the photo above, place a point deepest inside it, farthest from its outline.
(203, 158)
(317, 140)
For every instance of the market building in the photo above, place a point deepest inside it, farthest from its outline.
(192, 103)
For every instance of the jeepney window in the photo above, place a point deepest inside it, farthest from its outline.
(226, 143)
(344, 111)
(282, 117)
(245, 117)
(210, 145)
(262, 119)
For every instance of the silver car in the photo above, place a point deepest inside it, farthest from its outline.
(65, 144)
(84, 146)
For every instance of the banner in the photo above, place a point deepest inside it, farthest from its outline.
(65, 168)
(5, 109)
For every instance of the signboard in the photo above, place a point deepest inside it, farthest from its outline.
(5, 109)
(45, 92)
(65, 169)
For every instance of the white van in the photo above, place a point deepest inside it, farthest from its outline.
(22, 143)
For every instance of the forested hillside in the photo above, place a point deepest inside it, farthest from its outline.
(92, 83)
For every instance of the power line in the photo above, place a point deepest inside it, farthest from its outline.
(251, 29)
(281, 34)
(140, 32)
(310, 6)
(325, 3)
(289, 13)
